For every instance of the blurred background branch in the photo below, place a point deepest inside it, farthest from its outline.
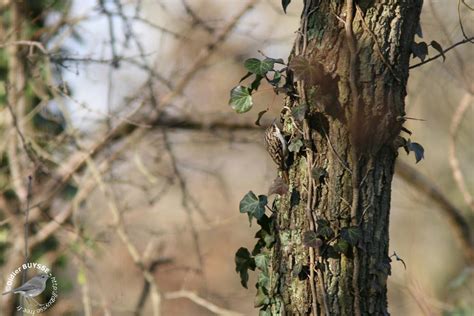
(119, 111)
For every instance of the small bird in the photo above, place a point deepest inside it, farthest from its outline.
(276, 146)
(31, 288)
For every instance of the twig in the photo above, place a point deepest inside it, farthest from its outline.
(31, 44)
(459, 224)
(123, 129)
(121, 232)
(115, 61)
(196, 19)
(185, 196)
(26, 228)
(466, 40)
(201, 302)
(453, 160)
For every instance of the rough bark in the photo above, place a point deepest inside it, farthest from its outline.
(352, 155)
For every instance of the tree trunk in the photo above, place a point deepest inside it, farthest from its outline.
(340, 180)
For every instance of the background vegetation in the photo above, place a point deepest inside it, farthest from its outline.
(119, 111)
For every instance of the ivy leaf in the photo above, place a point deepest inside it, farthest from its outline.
(294, 198)
(295, 145)
(299, 112)
(416, 148)
(310, 239)
(240, 99)
(243, 263)
(278, 187)
(419, 50)
(351, 234)
(438, 47)
(324, 230)
(276, 79)
(263, 281)
(259, 117)
(262, 262)
(284, 4)
(265, 312)
(256, 83)
(262, 298)
(341, 246)
(419, 31)
(303, 69)
(252, 205)
(276, 60)
(259, 67)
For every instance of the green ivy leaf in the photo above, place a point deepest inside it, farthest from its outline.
(295, 145)
(241, 99)
(252, 205)
(310, 239)
(341, 246)
(351, 234)
(256, 83)
(263, 281)
(265, 312)
(438, 47)
(276, 79)
(324, 230)
(259, 67)
(262, 298)
(243, 263)
(262, 262)
(276, 60)
(284, 4)
(419, 50)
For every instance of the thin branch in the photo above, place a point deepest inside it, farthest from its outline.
(123, 129)
(185, 197)
(466, 40)
(201, 302)
(124, 237)
(196, 19)
(31, 44)
(459, 224)
(453, 160)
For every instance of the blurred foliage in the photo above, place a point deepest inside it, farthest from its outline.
(33, 15)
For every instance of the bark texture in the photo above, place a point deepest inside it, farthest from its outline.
(347, 152)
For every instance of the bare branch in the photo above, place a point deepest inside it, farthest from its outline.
(464, 41)
(459, 224)
(201, 302)
(456, 120)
